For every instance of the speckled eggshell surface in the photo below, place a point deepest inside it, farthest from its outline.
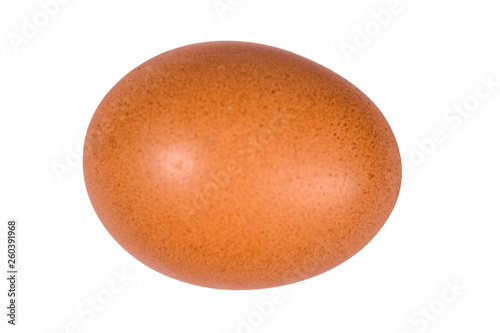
(236, 165)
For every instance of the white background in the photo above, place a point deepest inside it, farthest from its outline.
(444, 229)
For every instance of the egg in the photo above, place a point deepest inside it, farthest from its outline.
(236, 165)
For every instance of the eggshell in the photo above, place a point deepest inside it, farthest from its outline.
(236, 165)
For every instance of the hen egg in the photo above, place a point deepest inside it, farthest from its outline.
(236, 165)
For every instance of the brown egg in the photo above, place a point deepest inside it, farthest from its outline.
(236, 165)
